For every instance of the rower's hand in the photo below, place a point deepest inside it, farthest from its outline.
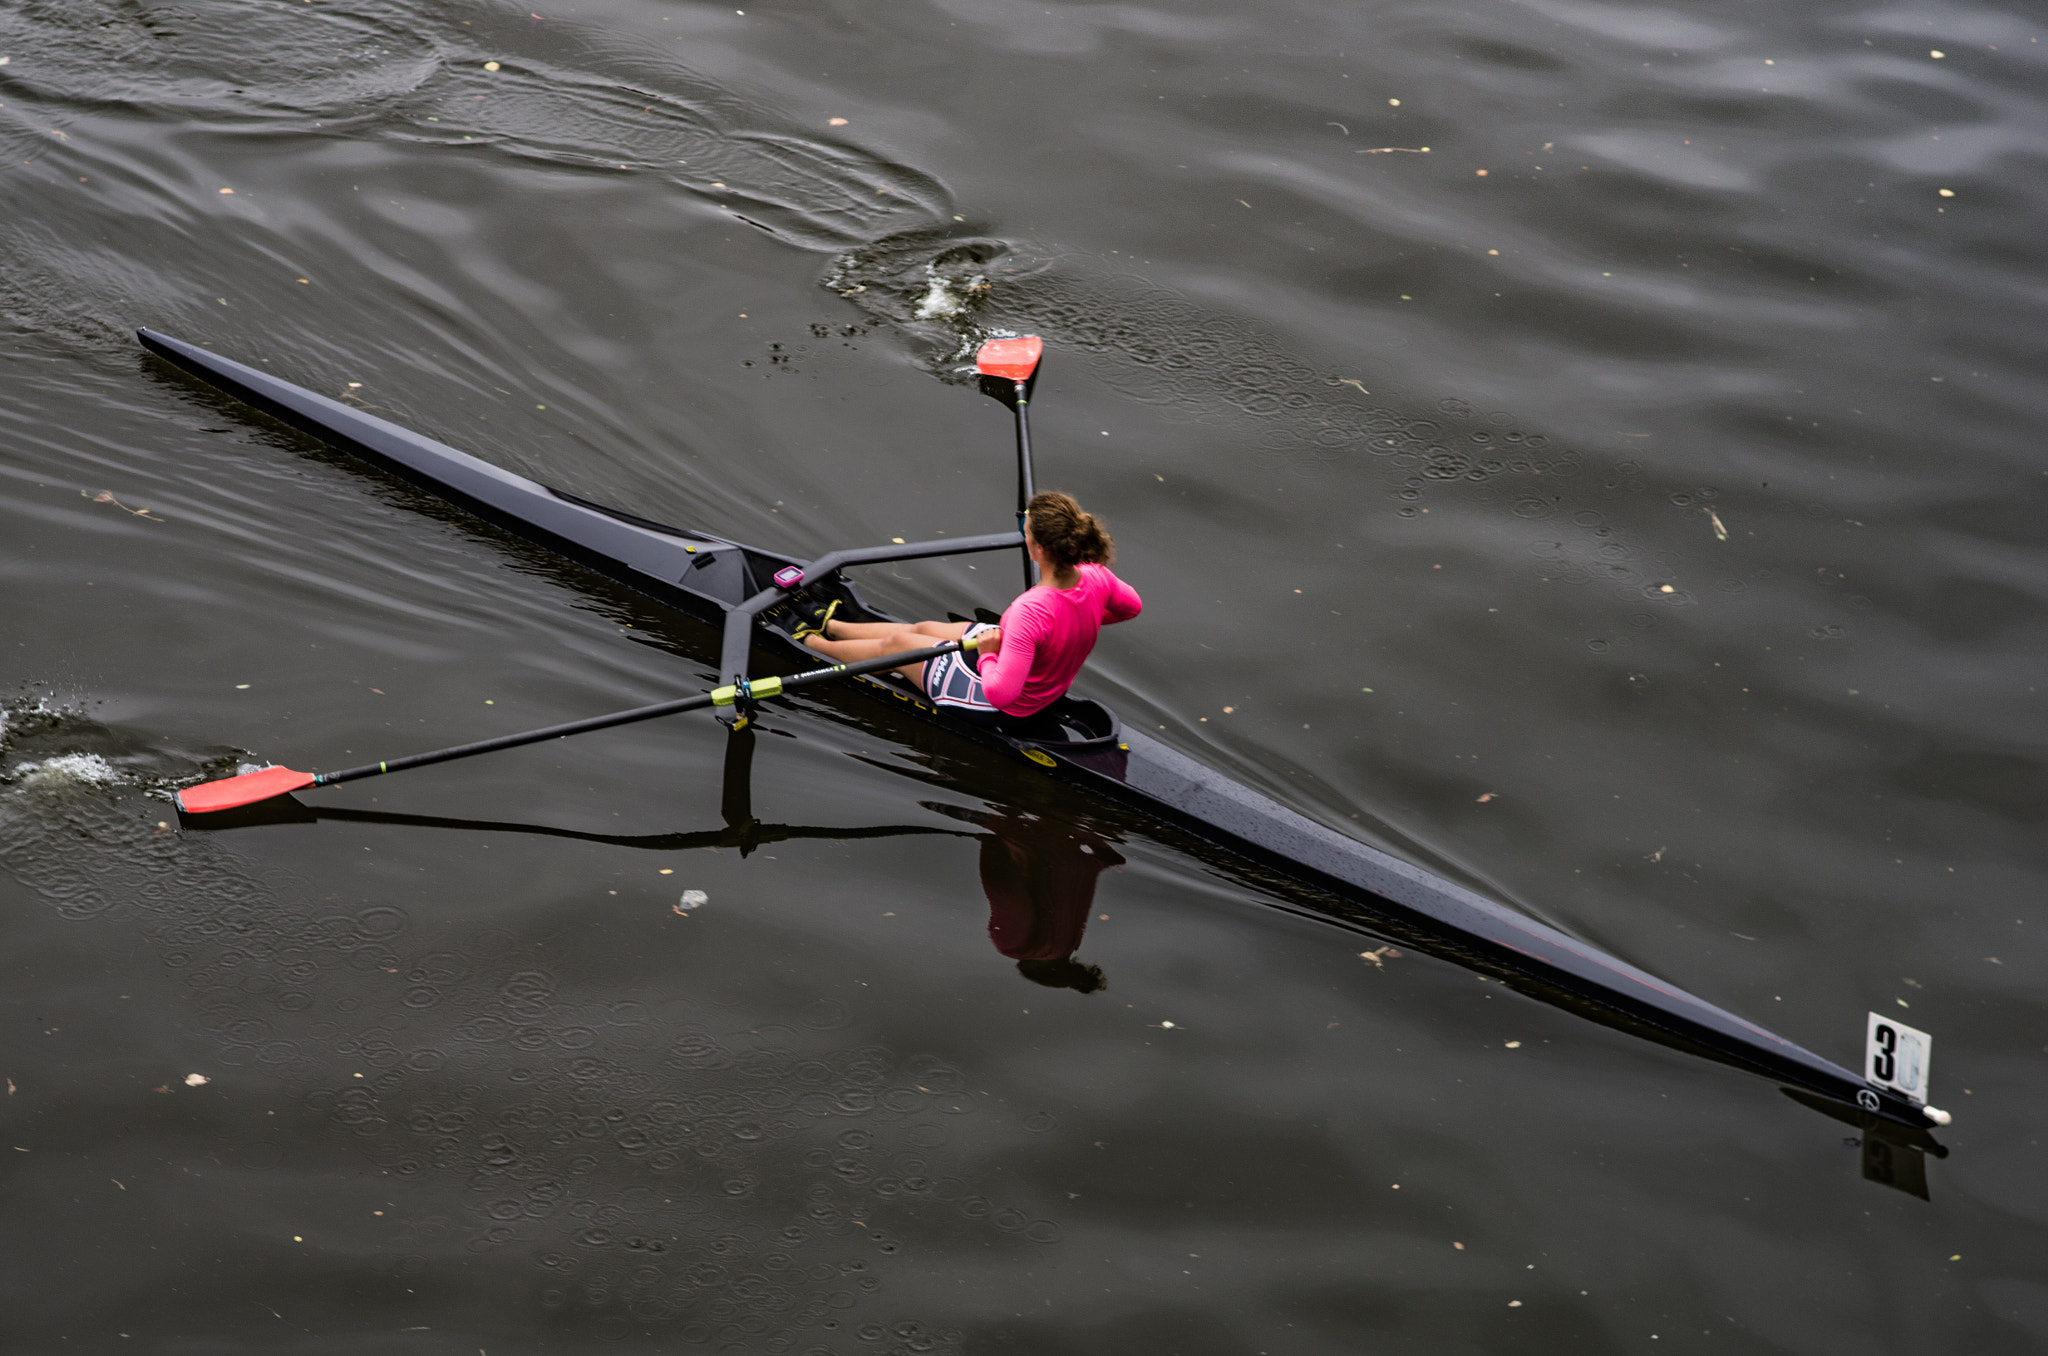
(988, 642)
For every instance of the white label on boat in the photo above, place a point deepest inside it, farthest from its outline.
(1895, 1056)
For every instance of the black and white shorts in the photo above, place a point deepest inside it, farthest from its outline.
(952, 683)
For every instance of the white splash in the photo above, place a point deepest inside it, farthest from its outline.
(67, 769)
(946, 297)
(10, 714)
(692, 900)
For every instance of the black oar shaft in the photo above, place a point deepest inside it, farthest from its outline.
(1027, 486)
(1026, 483)
(513, 741)
(724, 696)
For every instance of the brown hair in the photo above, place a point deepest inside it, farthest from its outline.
(1069, 535)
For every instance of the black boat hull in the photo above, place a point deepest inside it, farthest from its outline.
(1347, 881)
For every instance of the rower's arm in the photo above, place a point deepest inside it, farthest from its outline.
(1123, 602)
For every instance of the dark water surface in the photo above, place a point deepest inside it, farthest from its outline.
(1631, 504)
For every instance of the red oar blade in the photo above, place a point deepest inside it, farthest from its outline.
(1010, 359)
(232, 792)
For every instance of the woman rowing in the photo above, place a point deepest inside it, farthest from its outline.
(1029, 660)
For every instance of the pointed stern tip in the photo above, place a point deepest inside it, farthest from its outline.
(231, 793)
(157, 342)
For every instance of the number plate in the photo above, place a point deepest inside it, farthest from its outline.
(1895, 1056)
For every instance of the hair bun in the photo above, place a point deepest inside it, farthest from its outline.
(1068, 534)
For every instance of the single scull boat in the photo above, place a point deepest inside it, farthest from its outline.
(1078, 744)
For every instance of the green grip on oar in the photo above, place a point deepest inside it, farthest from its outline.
(757, 690)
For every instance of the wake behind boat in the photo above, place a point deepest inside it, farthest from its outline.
(1076, 744)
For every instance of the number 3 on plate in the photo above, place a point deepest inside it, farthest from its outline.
(1895, 1056)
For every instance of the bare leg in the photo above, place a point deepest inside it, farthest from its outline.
(893, 638)
(846, 630)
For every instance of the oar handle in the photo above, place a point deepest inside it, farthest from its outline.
(757, 690)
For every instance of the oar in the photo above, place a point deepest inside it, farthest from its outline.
(1008, 368)
(232, 792)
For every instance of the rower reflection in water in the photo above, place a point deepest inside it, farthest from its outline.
(1039, 876)
(1030, 660)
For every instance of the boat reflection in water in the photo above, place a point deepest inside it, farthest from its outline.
(1039, 876)
(1038, 872)
(736, 804)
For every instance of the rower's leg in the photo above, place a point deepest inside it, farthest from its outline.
(867, 647)
(896, 640)
(942, 630)
(845, 630)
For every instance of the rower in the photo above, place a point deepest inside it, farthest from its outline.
(1026, 662)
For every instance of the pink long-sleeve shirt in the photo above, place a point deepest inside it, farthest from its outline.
(1047, 634)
